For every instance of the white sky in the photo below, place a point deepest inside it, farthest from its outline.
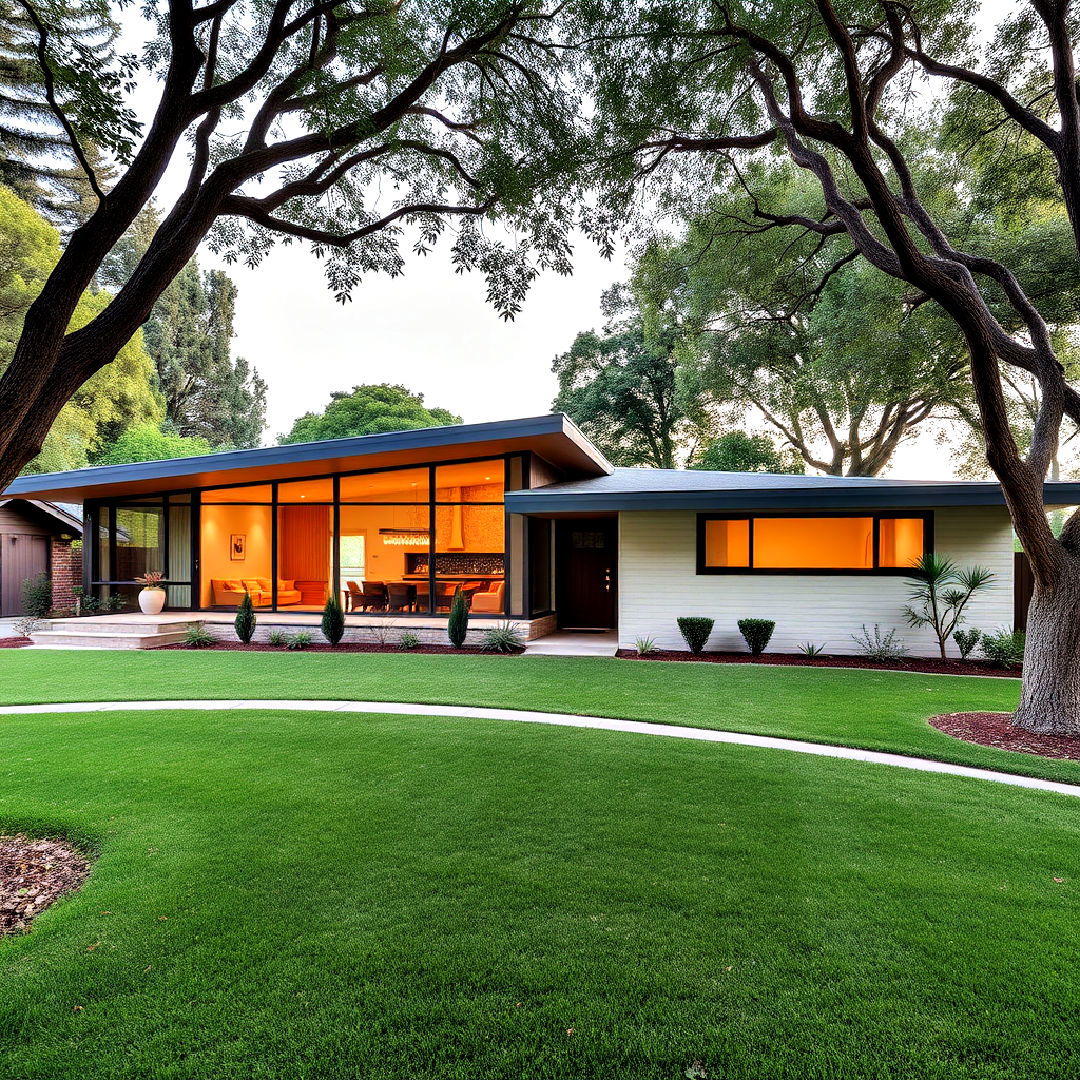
(429, 329)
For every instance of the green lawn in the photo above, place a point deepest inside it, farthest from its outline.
(877, 710)
(339, 896)
(331, 896)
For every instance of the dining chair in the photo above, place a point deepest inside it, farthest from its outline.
(373, 598)
(401, 596)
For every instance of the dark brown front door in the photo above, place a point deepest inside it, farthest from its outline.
(586, 565)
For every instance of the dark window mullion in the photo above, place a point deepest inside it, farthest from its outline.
(433, 606)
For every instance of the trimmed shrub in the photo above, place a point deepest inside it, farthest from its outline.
(504, 638)
(966, 640)
(879, 647)
(408, 641)
(1004, 648)
(695, 630)
(196, 636)
(245, 619)
(37, 596)
(757, 634)
(333, 620)
(457, 626)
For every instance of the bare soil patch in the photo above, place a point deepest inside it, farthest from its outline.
(922, 665)
(996, 730)
(33, 875)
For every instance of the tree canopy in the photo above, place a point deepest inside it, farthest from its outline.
(736, 451)
(119, 394)
(148, 442)
(368, 410)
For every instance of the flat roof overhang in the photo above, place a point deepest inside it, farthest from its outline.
(554, 437)
(930, 496)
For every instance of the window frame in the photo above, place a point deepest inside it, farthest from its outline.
(877, 516)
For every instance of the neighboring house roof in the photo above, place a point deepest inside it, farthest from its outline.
(63, 518)
(553, 436)
(703, 489)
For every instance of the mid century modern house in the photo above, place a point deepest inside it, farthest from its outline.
(534, 525)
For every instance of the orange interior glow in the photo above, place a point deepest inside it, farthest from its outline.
(901, 541)
(727, 543)
(837, 543)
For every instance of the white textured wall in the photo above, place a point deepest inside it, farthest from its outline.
(658, 583)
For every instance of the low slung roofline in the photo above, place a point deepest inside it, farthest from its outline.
(554, 436)
(693, 489)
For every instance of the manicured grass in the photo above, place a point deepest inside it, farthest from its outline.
(877, 710)
(303, 895)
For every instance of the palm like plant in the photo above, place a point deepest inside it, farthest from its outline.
(940, 590)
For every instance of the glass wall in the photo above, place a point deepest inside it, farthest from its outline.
(136, 537)
(395, 542)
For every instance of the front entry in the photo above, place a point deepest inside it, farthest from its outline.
(586, 573)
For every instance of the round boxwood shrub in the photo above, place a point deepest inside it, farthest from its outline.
(757, 633)
(695, 631)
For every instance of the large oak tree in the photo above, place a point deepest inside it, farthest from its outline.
(837, 88)
(349, 126)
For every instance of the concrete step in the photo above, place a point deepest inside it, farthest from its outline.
(69, 639)
(542, 647)
(108, 628)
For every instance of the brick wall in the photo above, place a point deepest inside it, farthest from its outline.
(66, 571)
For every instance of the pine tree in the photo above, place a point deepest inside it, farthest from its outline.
(457, 625)
(333, 620)
(245, 619)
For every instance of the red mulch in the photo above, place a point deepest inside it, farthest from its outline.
(33, 875)
(344, 647)
(922, 665)
(14, 642)
(996, 729)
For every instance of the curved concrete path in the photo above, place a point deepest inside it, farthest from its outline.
(637, 727)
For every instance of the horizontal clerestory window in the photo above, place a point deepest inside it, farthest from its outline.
(811, 543)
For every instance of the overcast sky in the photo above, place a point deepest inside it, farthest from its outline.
(430, 329)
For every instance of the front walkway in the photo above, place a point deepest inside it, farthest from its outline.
(637, 727)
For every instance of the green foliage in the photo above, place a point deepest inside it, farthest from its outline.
(121, 393)
(1004, 648)
(196, 636)
(457, 625)
(408, 641)
(506, 637)
(645, 645)
(245, 619)
(368, 410)
(736, 451)
(333, 620)
(940, 590)
(622, 391)
(209, 395)
(809, 648)
(299, 640)
(966, 640)
(37, 596)
(695, 631)
(757, 633)
(36, 160)
(879, 647)
(147, 442)
(278, 637)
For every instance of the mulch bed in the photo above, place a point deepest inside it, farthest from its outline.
(344, 647)
(996, 729)
(14, 642)
(33, 875)
(920, 664)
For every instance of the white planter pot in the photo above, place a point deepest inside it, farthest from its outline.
(151, 601)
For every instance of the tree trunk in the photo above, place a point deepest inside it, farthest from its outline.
(1050, 698)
